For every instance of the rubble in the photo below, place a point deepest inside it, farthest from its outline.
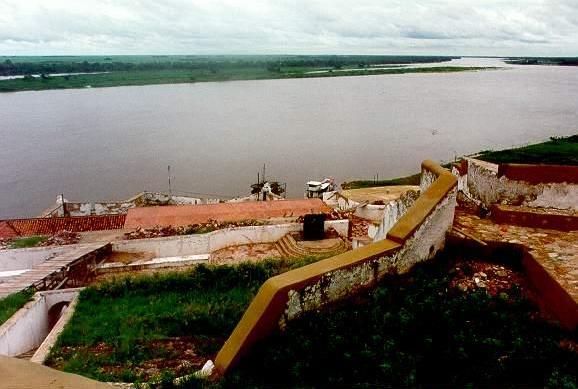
(494, 278)
(200, 228)
(60, 239)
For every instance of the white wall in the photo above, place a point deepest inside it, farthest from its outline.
(28, 327)
(425, 242)
(484, 185)
(393, 211)
(19, 259)
(175, 246)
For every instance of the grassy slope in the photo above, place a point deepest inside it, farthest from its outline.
(415, 332)
(205, 303)
(12, 303)
(557, 151)
(409, 180)
(127, 78)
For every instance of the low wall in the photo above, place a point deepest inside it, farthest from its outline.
(417, 236)
(393, 211)
(20, 259)
(28, 327)
(175, 246)
(539, 174)
(91, 208)
(485, 184)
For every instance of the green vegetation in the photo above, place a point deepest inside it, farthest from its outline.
(12, 303)
(557, 151)
(147, 70)
(416, 331)
(29, 241)
(121, 327)
(409, 180)
(559, 61)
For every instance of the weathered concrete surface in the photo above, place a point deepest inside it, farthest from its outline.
(393, 211)
(423, 244)
(18, 259)
(20, 374)
(555, 253)
(174, 246)
(43, 350)
(28, 327)
(75, 208)
(380, 193)
(185, 215)
(485, 185)
(548, 218)
(43, 271)
(155, 263)
(286, 296)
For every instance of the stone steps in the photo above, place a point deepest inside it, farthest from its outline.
(57, 266)
(291, 248)
(548, 218)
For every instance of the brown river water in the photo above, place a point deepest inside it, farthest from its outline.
(109, 143)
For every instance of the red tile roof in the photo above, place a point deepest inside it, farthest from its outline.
(182, 215)
(6, 230)
(48, 226)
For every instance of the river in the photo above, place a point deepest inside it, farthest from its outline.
(109, 143)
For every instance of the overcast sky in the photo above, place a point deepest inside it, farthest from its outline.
(456, 27)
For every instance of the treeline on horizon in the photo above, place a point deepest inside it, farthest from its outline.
(559, 61)
(14, 66)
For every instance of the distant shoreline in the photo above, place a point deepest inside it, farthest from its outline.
(162, 77)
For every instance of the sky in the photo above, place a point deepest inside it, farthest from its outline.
(451, 27)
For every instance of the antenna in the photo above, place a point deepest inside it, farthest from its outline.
(170, 190)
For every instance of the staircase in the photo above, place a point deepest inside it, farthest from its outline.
(291, 248)
(549, 218)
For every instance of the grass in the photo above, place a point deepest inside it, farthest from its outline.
(414, 331)
(179, 76)
(109, 337)
(409, 180)
(12, 303)
(556, 151)
(29, 241)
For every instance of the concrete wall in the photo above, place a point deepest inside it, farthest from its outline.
(19, 259)
(416, 236)
(28, 327)
(485, 185)
(423, 244)
(207, 243)
(392, 212)
(118, 207)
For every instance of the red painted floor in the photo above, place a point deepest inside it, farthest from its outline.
(182, 215)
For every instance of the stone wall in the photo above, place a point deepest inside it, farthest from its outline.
(28, 327)
(20, 259)
(174, 246)
(392, 212)
(485, 184)
(118, 207)
(416, 236)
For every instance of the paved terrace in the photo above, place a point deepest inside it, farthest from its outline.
(182, 215)
(47, 270)
(379, 193)
(555, 251)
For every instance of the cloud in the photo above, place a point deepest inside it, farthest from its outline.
(457, 27)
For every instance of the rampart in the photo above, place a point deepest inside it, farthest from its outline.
(415, 237)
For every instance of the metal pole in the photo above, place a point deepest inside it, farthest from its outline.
(170, 191)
